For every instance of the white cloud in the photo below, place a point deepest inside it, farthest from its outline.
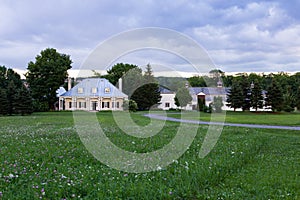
(241, 33)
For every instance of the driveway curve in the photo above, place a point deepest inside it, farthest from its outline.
(155, 116)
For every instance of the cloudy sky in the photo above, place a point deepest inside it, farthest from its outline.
(258, 36)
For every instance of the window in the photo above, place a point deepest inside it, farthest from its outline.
(167, 105)
(118, 104)
(107, 90)
(105, 104)
(82, 105)
(70, 104)
(94, 90)
(112, 104)
(80, 90)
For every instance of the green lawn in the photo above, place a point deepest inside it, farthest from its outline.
(289, 119)
(42, 157)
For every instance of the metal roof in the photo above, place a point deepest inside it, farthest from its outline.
(209, 90)
(164, 90)
(94, 87)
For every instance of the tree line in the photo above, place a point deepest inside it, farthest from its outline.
(278, 92)
(15, 97)
(38, 92)
(49, 71)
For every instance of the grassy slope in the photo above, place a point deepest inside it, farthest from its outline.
(42, 156)
(289, 119)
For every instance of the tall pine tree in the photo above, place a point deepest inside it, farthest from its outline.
(3, 102)
(148, 94)
(23, 101)
(274, 96)
(235, 97)
(10, 97)
(257, 98)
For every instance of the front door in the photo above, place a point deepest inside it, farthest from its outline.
(94, 105)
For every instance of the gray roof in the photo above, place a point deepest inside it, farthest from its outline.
(209, 90)
(164, 90)
(104, 89)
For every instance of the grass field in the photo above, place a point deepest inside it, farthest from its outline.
(42, 157)
(289, 119)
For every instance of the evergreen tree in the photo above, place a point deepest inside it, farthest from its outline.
(148, 95)
(235, 97)
(11, 97)
(3, 102)
(274, 96)
(246, 95)
(23, 101)
(257, 98)
(288, 102)
(298, 99)
(182, 97)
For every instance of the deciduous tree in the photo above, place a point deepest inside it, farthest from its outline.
(118, 71)
(182, 97)
(217, 104)
(46, 74)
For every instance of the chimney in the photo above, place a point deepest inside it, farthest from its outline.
(120, 84)
(69, 83)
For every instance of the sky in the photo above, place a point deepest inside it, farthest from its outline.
(239, 36)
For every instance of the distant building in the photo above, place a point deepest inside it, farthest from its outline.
(167, 99)
(92, 94)
(208, 93)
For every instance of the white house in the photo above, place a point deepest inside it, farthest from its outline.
(208, 93)
(92, 94)
(167, 99)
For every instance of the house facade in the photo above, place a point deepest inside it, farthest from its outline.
(92, 94)
(208, 93)
(167, 99)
